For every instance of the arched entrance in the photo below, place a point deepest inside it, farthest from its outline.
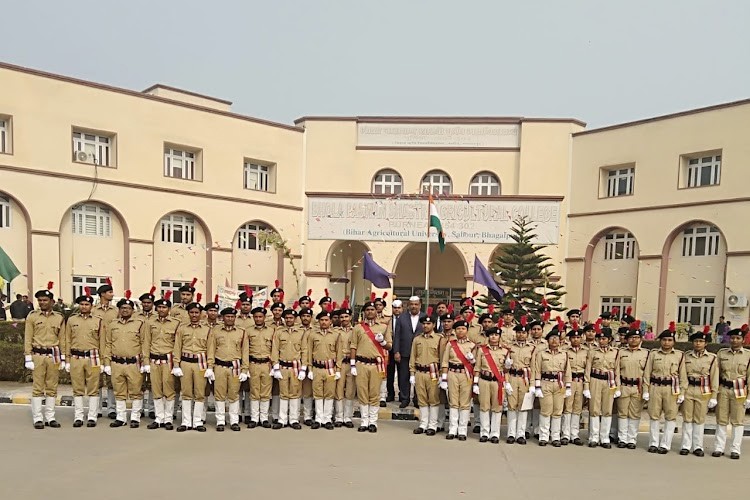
(345, 266)
(447, 273)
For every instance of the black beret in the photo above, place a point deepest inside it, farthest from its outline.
(277, 305)
(186, 288)
(193, 305)
(228, 310)
(104, 289)
(258, 310)
(305, 310)
(211, 305)
(460, 322)
(125, 302)
(491, 331)
(44, 293)
(367, 304)
(85, 298)
(287, 312)
(448, 315)
(323, 314)
(426, 319)
(163, 302)
(147, 296)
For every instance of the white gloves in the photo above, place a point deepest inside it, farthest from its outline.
(277, 374)
(210, 375)
(680, 399)
(337, 376)
(747, 404)
(475, 389)
(101, 368)
(302, 374)
(645, 396)
(508, 388)
(62, 365)
(712, 403)
(617, 394)
(275, 368)
(310, 374)
(143, 368)
(532, 389)
(108, 370)
(444, 382)
(147, 368)
(568, 392)
(67, 367)
(538, 392)
(353, 366)
(243, 377)
(412, 379)
(28, 364)
(508, 363)
(587, 394)
(470, 357)
(177, 371)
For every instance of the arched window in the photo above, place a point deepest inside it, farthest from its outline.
(91, 220)
(387, 182)
(437, 182)
(484, 184)
(247, 236)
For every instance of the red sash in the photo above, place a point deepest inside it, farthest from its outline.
(383, 361)
(460, 355)
(496, 372)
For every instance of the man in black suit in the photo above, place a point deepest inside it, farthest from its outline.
(397, 309)
(407, 327)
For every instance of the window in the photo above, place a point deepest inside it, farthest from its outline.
(179, 164)
(703, 171)
(622, 303)
(258, 177)
(439, 181)
(173, 285)
(695, 310)
(247, 237)
(620, 181)
(178, 229)
(619, 246)
(484, 184)
(4, 212)
(93, 282)
(92, 220)
(387, 182)
(4, 134)
(92, 148)
(254, 288)
(700, 241)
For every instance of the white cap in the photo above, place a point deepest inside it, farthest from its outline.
(396, 303)
(414, 298)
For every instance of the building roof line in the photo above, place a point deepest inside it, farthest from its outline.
(183, 91)
(438, 119)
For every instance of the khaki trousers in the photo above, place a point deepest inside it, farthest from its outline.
(261, 382)
(324, 385)
(368, 384)
(290, 387)
(488, 398)
(307, 387)
(346, 386)
(520, 388)
(630, 403)
(162, 381)
(426, 389)
(574, 404)
(83, 377)
(226, 385)
(127, 381)
(601, 398)
(459, 390)
(193, 382)
(554, 399)
(45, 376)
(730, 409)
(661, 400)
(695, 406)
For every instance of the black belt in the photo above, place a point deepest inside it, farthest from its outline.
(632, 382)
(661, 381)
(422, 368)
(189, 359)
(600, 376)
(346, 360)
(286, 364)
(455, 368)
(695, 382)
(221, 362)
(41, 350)
(124, 361)
(80, 354)
(158, 357)
(488, 376)
(369, 361)
(259, 361)
(726, 383)
(577, 376)
(551, 377)
(517, 373)
(319, 364)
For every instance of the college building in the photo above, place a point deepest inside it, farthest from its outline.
(163, 185)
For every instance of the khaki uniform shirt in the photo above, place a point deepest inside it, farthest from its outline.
(450, 357)
(83, 333)
(125, 339)
(498, 354)
(590, 345)
(108, 314)
(244, 322)
(734, 364)
(160, 335)
(179, 313)
(191, 339)
(665, 365)
(603, 361)
(577, 360)
(364, 346)
(44, 330)
(384, 319)
(445, 337)
(425, 350)
(547, 361)
(521, 354)
(288, 346)
(703, 365)
(507, 335)
(260, 340)
(540, 343)
(146, 316)
(475, 334)
(323, 346)
(344, 344)
(228, 343)
(632, 363)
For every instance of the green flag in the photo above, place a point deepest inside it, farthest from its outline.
(8, 269)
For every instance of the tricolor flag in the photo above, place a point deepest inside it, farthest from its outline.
(434, 221)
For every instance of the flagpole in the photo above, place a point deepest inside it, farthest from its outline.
(427, 257)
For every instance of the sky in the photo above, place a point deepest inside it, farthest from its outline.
(602, 62)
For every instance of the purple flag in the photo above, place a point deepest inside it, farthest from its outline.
(376, 274)
(483, 277)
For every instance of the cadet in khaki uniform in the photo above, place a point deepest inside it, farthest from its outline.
(489, 382)
(179, 311)
(474, 335)
(447, 334)
(458, 372)
(346, 385)
(107, 312)
(589, 336)
(632, 362)
(519, 372)
(158, 362)
(190, 357)
(424, 367)
(508, 326)
(44, 354)
(276, 322)
(260, 338)
(290, 361)
(601, 388)
(244, 320)
(702, 372)
(573, 407)
(124, 349)
(147, 313)
(367, 361)
(323, 348)
(550, 371)
(664, 380)
(734, 373)
(212, 319)
(305, 320)
(83, 343)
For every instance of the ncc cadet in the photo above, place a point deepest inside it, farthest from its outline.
(589, 337)
(212, 312)
(457, 375)
(734, 372)
(536, 334)
(380, 305)
(367, 359)
(474, 335)
(446, 335)
(702, 372)
(107, 312)
(664, 381)
(508, 327)
(260, 338)
(323, 351)
(290, 360)
(632, 363)
(424, 369)
(147, 313)
(486, 321)
(186, 297)
(244, 320)
(573, 407)
(212, 319)
(305, 318)
(83, 344)
(276, 319)
(550, 371)
(124, 351)
(489, 383)
(382, 317)
(519, 374)
(190, 357)
(276, 322)
(346, 385)
(305, 301)
(159, 363)
(44, 354)
(227, 368)
(601, 388)
(277, 293)
(574, 315)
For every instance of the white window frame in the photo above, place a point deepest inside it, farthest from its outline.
(180, 163)
(619, 246)
(257, 177)
(93, 282)
(688, 306)
(97, 146)
(387, 182)
(697, 164)
(247, 237)
(440, 181)
(4, 134)
(621, 302)
(692, 236)
(484, 184)
(91, 220)
(174, 285)
(5, 205)
(616, 177)
(254, 288)
(176, 223)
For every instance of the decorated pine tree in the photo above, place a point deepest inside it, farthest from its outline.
(524, 272)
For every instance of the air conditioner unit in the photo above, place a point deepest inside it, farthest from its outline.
(736, 300)
(84, 157)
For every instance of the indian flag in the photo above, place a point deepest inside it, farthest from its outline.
(435, 222)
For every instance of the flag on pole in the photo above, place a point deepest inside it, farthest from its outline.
(434, 221)
(8, 269)
(375, 274)
(483, 277)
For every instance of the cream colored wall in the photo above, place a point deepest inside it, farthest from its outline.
(611, 278)
(13, 241)
(179, 262)
(192, 99)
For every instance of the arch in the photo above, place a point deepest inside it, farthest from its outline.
(29, 254)
(443, 272)
(236, 275)
(442, 179)
(209, 241)
(483, 181)
(336, 243)
(345, 268)
(384, 171)
(253, 221)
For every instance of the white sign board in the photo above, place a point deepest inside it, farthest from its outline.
(464, 221)
(416, 135)
(228, 297)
